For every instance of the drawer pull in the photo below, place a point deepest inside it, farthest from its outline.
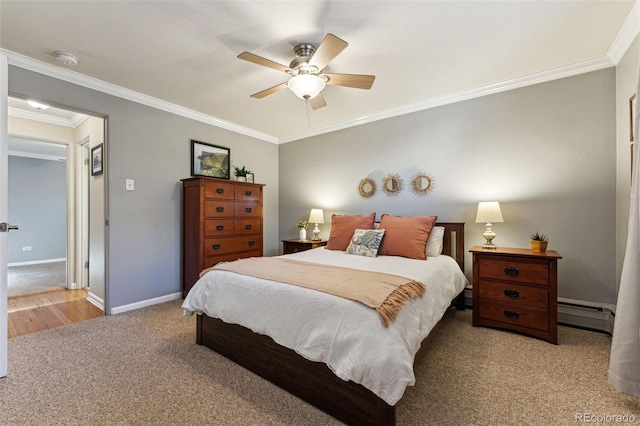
(511, 314)
(220, 227)
(251, 242)
(247, 193)
(220, 190)
(216, 246)
(247, 227)
(511, 271)
(514, 294)
(248, 209)
(219, 209)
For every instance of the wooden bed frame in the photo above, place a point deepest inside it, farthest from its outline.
(312, 381)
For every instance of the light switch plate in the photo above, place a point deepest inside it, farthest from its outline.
(128, 186)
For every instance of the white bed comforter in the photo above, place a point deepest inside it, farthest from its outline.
(346, 335)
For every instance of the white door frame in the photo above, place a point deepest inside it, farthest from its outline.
(82, 213)
(4, 210)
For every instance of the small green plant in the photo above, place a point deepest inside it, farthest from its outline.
(537, 236)
(303, 224)
(240, 171)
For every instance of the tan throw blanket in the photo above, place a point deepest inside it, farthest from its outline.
(386, 293)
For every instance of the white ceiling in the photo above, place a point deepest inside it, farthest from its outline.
(181, 55)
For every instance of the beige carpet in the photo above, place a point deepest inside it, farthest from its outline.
(26, 279)
(143, 368)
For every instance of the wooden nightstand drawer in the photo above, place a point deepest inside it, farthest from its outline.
(514, 270)
(294, 246)
(537, 297)
(515, 314)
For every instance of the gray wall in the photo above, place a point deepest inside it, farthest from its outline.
(38, 205)
(152, 147)
(546, 152)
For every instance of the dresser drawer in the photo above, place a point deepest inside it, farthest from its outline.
(224, 245)
(219, 190)
(515, 294)
(514, 314)
(247, 193)
(217, 227)
(213, 260)
(247, 209)
(515, 270)
(248, 226)
(219, 208)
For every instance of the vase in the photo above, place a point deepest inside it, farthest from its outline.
(241, 178)
(302, 234)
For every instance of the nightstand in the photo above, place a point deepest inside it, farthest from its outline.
(516, 289)
(294, 246)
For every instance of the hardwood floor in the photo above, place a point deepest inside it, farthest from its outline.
(42, 311)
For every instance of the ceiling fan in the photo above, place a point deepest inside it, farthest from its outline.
(307, 79)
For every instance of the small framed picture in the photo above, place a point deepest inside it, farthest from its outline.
(209, 160)
(96, 160)
(250, 178)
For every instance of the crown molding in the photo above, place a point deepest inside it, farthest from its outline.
(37, 156)
(40, 67)
(74, 122)
(627, 34)
(503, 86)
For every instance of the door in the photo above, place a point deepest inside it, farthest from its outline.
(4, 177)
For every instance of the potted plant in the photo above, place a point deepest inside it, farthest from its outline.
(241, 173)
(302, 229)
(539, 241)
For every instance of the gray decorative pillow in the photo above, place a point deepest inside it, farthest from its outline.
(366, 242)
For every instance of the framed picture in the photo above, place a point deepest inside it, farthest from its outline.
(209, 160)
(96, 160)
(250, 178)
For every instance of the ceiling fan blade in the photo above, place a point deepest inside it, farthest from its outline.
(250, 57)
(318, 102)
(269, 91)
(328, 49)
(358, 81)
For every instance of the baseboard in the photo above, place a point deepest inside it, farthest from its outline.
(145, 303)
(37, 262)
(92, 298)
(576, 313)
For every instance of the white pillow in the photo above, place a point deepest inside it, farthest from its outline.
(435, 241)
(365, 242)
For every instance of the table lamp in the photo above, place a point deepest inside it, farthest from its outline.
(316, 216)
(489, 212)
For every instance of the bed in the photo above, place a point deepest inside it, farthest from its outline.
(296, 364)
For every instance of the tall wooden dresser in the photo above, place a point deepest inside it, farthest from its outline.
(221, 221)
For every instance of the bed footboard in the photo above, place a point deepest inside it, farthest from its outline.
(311, 381)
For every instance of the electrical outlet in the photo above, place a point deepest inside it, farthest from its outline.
(128, 185)
(26, 248)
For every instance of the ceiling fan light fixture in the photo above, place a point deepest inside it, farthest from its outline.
(306, 86)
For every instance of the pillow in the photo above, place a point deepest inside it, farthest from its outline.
(435, 241)
(365, 242)
(406, 236)
(343, 227)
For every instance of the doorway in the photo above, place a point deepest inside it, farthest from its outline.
(75, 133)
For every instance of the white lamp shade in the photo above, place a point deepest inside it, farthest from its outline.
(316, 216)
(489, 212)
(306, 86)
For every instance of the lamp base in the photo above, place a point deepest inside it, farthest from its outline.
(489, 235)
(316, 233)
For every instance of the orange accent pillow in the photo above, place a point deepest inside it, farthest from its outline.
(406, 236)
(343, 227)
